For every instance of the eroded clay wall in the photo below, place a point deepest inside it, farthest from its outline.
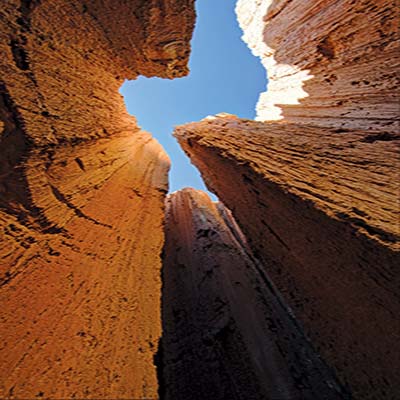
(320, 210)
(329, 63)
(226, 332)
(82, 195)
(316, 192)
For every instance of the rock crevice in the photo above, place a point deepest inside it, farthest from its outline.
(292, 295)
(226, 332)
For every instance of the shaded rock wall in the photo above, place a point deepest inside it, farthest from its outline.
(226, 333)
(330, 63)
(317, 193)
(82, 195)
(320, 210)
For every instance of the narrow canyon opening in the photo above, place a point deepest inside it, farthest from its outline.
(215, 84)
(285, 288)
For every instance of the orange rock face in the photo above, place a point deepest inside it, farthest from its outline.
(80, 299)
(226, 332)
(82, 195)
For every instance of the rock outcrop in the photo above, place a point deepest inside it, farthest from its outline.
(226, 333)
(316, 194)
(320, 210)
(311, 311)
(82, 195)
(329, 63)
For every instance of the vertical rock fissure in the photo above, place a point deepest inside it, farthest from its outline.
(227, 333)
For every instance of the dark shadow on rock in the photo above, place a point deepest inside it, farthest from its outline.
(226, 332)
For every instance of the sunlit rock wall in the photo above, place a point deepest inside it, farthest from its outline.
(330, 63)
(82, 195)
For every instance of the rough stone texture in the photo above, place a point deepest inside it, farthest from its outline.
(80, 300)
(317, 194)
(320, 209)
(226, 332)
(330, 62)
(82, 195)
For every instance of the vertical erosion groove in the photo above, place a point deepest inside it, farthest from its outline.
(82, 192)
(226, 334)
(299, 308)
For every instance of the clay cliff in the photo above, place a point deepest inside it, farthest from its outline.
(329, 63)
(297, 299)
(226, 332)
(82, 195)
(317, 193)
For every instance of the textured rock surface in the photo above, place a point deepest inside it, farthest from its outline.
(81, 195)
(317, 194)
(320, 209)
(226, 334)
(330, 63)
(80, 300)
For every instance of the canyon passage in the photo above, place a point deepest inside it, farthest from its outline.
(285, 288)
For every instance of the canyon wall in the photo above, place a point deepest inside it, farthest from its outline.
(226, 332)
(317, 193)
(311, 310)
(329, 63)
(82, 195)
(320, 210)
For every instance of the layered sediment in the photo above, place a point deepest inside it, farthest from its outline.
(329, 63)
(320, 211)
(316, 194)
(82, 195)
(306, 307)
(226, 332)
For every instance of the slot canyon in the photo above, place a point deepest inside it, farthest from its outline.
(287, 288)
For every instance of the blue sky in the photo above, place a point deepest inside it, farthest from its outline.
(224, 77)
